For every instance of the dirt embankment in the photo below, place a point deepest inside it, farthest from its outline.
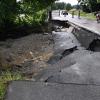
(28, 54)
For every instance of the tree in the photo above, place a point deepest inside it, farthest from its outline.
(61, 5)
(92, 5)
(14, 14)
(98, 1)
(10, 9)
(8, 12)
(68, 6)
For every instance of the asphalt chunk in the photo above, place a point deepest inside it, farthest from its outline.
(27, 90)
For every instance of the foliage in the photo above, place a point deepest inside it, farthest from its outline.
(89, 16)
(58, 5)
(8, 13)
(2, 90)
(31, 9)
(89, 5)
(9, 76)
(61, 5)
(14, 14)
(98, 1)
(68, 6)
(7, 10)
(6, 77)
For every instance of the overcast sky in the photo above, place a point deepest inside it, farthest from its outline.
(73, 2)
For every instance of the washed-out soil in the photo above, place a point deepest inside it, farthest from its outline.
(28, 54)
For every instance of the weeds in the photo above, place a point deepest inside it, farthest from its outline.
(90, 16)
(2, 90)
(6, 77)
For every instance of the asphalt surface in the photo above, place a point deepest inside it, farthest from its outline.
(90, 25)
(64, 41)
(55, 70)
(85, 71)
(64, 44)
(27, 90)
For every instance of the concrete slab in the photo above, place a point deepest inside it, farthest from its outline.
(85, 71)
(27, 90)
(63, 63)
(62, 42)
(84, 37)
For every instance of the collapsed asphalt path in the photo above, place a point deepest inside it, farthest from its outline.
(64, 44)
(75, 76)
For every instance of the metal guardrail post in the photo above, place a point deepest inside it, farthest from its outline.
(79, 14)
(59, 12)
(72, 14)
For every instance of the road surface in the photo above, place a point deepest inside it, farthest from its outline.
(90, 25)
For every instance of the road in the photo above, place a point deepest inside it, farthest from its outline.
(90, 25)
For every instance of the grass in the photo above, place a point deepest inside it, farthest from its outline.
(2, 90)
(89, 16)
(6, 77)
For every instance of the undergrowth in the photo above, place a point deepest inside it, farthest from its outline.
(5, 77)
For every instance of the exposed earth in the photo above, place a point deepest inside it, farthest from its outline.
(27, 55)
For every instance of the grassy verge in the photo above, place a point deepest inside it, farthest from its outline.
(6, 77)
(2, 90)
(89, 16)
